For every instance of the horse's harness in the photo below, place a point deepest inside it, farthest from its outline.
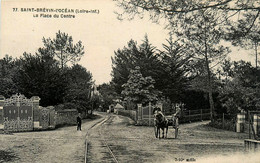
(160, 121)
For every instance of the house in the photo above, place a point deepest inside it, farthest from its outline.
(118, 107)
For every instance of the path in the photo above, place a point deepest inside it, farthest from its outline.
(64, 145)
(196, 142)
(129, 143)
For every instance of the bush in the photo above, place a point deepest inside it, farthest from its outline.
(68, 105)
(228, 124)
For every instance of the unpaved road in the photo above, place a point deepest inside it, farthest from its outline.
(196, 142)
(129, 143)
(64, 145)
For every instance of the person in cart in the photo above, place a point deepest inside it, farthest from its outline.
(177, 115)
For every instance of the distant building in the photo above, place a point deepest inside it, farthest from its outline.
(111, 108)
(94, 91)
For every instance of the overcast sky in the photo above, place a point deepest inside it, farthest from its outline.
(101, 34)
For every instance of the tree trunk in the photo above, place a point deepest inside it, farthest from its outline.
(61, 60)
(211, 101)
(256, 45)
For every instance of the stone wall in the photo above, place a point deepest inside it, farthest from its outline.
(66, 117)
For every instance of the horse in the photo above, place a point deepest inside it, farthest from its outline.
(160, 122)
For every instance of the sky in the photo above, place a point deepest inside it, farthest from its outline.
(101, 34)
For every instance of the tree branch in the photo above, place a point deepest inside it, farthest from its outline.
(157, 8)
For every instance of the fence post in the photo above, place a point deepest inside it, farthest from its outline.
(36, 111)
(223, 120)
(255, 123)
(240, 122)
(2, 101)
(139, 113)
(249, 121)
(149, 112)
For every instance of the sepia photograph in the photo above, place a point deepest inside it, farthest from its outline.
(129, 81)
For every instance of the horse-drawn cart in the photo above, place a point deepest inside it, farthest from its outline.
(162, 122)
(174, 122)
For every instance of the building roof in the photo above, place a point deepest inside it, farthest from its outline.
(118, 106)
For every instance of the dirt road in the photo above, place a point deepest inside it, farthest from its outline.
(64, 145)
(196, 142)
(129, 143)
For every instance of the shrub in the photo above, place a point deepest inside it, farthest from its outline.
(228, 124)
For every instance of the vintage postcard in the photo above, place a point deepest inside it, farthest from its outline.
(129, 81)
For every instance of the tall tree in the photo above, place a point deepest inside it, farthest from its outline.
(122, 62)
(249, 41)
(8, 72)
(139, 89)
(63, 49)
(131, 56)
(239, 90)
(79, 86)
(108, 93)
(241, 16)
(175, 63)
(203, 32)
(40, 76)
(171, 9)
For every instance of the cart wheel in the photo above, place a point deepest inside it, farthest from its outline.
(176, 132)
(155, 131)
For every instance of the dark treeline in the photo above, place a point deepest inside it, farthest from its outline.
(143, 73)
(47, 74)
(191, 69)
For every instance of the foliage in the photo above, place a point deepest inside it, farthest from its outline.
(131, 56)
(202, 23)
(139, 89)
(171, 10)
(47, 75)
(245, 36)
(107, 95)
(173, 77)
(228, 124)
(40, 76)
(8, 72)
(167, 105)
(63, 49)
(79, 86)
(241, 90)
(202, 33)
(195, 99)
(95, 102)
(168, 67)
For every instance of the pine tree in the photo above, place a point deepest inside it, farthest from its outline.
(63, 49)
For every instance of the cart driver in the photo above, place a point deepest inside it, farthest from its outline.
(177, 115)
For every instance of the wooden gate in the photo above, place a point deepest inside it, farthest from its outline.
(18, 113)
